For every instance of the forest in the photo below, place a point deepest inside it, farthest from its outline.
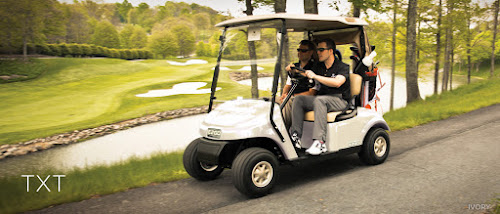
(413, 35)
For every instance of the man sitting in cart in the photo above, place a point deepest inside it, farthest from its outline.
(333, 77)
(306, 54)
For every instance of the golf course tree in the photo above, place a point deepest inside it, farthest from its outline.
(125, 35)
(133, 36)
(251, 52)
(412, 91)
(496, 6)
(185, 40)
(139, 38)
(105, 35)
(122, 10)
(311, 6)
(79, 27)
(143, 16)
(28, 21)
(163, 43)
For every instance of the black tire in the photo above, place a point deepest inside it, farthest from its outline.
(376, 146)
(252, 162)
(195, 168)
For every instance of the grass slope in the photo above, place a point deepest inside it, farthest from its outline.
(76, 94)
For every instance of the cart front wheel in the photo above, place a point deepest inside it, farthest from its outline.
(255, 170)
(199, 170)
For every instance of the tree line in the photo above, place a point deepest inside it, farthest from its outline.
(447, 35)
(169, 30)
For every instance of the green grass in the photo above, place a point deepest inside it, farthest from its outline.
(483, 71)
(31, 69)
(80, 184)
(464, 99)
(74, 94)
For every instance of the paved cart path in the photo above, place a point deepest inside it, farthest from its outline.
(448, 166)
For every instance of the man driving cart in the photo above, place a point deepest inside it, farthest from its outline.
(332, 76)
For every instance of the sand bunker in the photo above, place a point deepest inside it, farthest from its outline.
(248, 68)
(189, 62)
(181, 88)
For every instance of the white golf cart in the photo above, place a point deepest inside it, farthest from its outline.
(249, 137)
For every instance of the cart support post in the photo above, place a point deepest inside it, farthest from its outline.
(216, 71)
(277, 70)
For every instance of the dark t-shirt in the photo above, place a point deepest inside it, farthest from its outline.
(303, 84)
(338, 68)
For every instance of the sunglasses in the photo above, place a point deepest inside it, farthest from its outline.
(302, 50)
(322, 49)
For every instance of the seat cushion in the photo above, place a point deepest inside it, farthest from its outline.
(330, 117)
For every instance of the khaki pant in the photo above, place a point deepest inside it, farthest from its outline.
(287, 113)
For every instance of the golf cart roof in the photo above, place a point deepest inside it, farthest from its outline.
(298, 22)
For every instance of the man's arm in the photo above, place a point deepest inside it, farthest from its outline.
(336, 81)
(286, 89)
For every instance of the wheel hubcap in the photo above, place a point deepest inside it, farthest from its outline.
(380, 146)
(208, 167)
(262, 174)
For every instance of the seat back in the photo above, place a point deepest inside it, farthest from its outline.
(356, 81)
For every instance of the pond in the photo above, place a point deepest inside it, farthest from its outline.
(141, 141)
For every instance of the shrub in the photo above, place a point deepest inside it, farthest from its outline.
(149, 54)
(86, 50)
(142, 54)
(107, 52)
(43, 49)
(123, 55)
(134, 54)
(54, 48)
(100, 51)
(75, 50)
(64, 49)
(95, 50)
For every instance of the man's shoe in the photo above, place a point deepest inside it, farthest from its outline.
(317, 148)
(296, 140)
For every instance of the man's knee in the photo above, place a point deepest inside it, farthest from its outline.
(298, 101)
(320, 100)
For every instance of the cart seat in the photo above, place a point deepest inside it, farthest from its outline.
(351, 111)
(330, 117)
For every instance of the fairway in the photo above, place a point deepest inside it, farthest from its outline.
(73, 94)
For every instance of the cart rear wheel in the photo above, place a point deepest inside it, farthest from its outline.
(199, 170)
(376, 147)
(255, 170)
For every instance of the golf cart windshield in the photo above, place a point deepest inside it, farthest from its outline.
(237, 62)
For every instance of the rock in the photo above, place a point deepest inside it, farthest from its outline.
(32, 149)
(13, 149)
(5, 77)
(79, 135)
(20, 152)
